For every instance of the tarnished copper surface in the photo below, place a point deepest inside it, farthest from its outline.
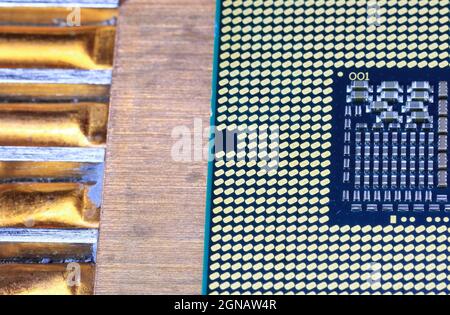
(52, 279)
(44, 252)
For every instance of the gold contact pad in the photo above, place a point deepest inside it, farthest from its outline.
(53, 279)
(58, 124)
(56, 205)
(84, 47)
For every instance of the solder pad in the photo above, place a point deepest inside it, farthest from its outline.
(289, 228)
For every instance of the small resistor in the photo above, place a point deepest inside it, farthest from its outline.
(385, 137)
(430, 167)
(348, 124)
(394, 168)
(358, 137)
(403, 180)
(387, 196)
(376, 181)
(357, 181)
(377, 195)
(347, 137)
(346, 164)
(418, 208)
(442, 143)
(422, 181)
(403, 152)
(395, 138)
(412, 152)
(376, 138)
(404, 165)
(384, 180)
(348, 111)
(422, 152)
(430, 138)
(443, 126)
(407, 195)
(376, 152)
(422, 138)
(367, 154)
(345, 196)
(398, 195)
(412, 166)
(346, 177)
(413, 138)
(367, 166)
(385, 152)
(356, 196)
(418, 196)
(367, 138)
(441, 198)
(358, 166)
(367, 195)
(412, 181)
(394, 152)
(346, 150)
(367, 181)
(442, 179)
(422, 166)
(430, 180)
(404, 138)
(394, 181)
(428, 196)
(435, 208)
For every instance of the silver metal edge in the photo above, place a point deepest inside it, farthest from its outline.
(72, 236)
(61, 3)
(49, 154)
(56, 76)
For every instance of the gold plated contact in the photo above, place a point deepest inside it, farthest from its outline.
(53, 124)
(57, 205)
(57, 38)
(49, 195)
(47, 47)
(54, 108)
(50, 279)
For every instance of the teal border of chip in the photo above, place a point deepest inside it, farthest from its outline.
(209, 183)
